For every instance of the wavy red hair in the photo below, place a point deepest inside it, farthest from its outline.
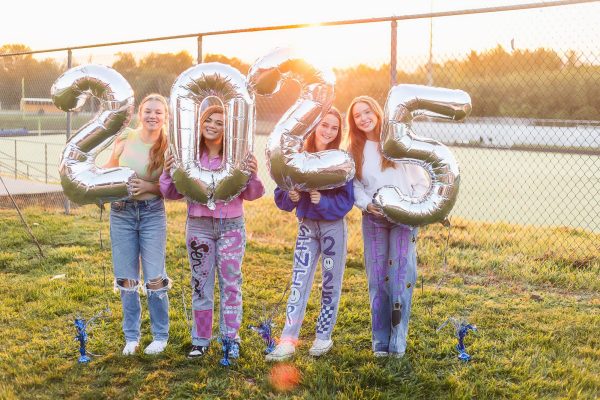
(358, 138)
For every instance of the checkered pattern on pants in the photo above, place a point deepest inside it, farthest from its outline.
(324, 320)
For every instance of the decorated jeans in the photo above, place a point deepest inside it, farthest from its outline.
(327, 238)
(138, 233)
(219, 242)
(391, 264)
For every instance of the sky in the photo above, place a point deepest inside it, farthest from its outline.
(64, 23)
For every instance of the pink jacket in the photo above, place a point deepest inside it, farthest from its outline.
(233, 209)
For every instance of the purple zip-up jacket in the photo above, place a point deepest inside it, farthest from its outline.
(334, 203)
(233, 209)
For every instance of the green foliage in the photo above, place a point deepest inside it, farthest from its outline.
(17, 71)
(538, 83)
(538, 314)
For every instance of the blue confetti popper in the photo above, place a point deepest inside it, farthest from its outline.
(82, 337)
(461, 328)
(264, 329)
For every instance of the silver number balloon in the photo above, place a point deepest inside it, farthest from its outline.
(398, 142)
(82, 181)
(289, 166)
(190, 90)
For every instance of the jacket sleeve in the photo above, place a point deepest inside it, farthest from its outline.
(337, 202)
(167, 187)
(283, 201)
(361, 200)
(254, 189)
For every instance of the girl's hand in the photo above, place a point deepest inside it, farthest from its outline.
(252, 164)
(373, 209)
(169, 161)
(140, 186)
(294, 196)
(315, 196)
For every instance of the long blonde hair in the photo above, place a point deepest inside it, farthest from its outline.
(358, 138)
(311, 146)
(210, 110)
(157, 151)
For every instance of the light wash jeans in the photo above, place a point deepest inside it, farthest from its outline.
(219, 242)
(327, 239)
(391, 265)
(138, 233)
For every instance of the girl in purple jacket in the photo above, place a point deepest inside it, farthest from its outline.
(322, 231)
(215, 238)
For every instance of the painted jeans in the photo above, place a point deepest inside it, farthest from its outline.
(138, 234)
(329, 239)
(219, 242)
(391, 265)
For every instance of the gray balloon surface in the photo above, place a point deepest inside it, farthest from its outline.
(399, 142)
(289, 166)
(211, 81)
(83, 182)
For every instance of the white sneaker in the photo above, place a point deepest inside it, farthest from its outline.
(283, 351)
(157, 346)
(380, 354)
(320, 347)
(396, 355)
(130, 348)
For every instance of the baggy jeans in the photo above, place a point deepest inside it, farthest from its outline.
(138, 233)
(328, 239)
(391, 265)
(219, 242)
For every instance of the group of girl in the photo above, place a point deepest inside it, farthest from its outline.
(216, 239)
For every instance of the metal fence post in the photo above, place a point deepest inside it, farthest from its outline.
(15, 159)
(69, 64)
(393, 45)
(199, 59)
(430, 59)
(46, 161)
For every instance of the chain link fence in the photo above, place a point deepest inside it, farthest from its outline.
(529, 154)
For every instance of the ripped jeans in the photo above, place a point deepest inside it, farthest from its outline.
(216, 243)
(138, 233)
(391, 264)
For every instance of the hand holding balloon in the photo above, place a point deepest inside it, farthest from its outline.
(294, 196)
(139, 186)
(315, 196)
(169, 162)
(251, 164)
(373, 209)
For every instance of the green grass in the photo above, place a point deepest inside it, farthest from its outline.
(538, 314)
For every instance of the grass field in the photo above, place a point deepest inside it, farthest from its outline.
(537, 311)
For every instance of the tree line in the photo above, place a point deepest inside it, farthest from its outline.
(521, 84)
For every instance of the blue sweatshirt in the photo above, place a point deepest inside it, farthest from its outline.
(334, 203)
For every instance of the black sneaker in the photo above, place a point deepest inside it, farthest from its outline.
(197, 351)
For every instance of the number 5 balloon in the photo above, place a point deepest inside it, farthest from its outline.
(289, 167)
(189, 91)
(82, 181)
(398, 141)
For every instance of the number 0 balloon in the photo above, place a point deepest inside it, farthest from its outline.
(82, 181)
(399, 142)
(189, 91)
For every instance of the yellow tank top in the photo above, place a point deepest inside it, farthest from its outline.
(136, 155)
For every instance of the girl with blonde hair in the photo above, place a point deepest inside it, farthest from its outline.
(138, 227)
